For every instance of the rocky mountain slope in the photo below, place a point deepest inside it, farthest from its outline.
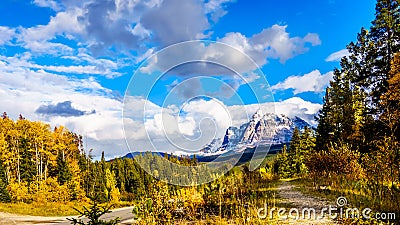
(262, 129)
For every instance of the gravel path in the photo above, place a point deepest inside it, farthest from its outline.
(8, 218)
(297, 200)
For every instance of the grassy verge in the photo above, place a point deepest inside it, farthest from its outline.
(41, 209)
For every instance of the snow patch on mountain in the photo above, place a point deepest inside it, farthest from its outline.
(262, 129)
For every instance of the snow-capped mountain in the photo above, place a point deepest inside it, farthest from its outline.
(262, 129)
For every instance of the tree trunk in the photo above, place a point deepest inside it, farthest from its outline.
(18, 163)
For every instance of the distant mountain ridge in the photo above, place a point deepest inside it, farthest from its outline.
(269, 131)
(261, 130)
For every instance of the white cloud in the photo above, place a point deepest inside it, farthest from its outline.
(311, 82)
(47, 47)
(216, 8)
(275, 42)
(48, 4)
(62, 23)
(187, 23)
(6, 34)
(298, 107)
(312, 38)
(82, 70)
(96, 66)
(237, 55)
(337, 56)
(190, 126)
(291, 107)
(122, 24)
(128, 27)
(24, 90)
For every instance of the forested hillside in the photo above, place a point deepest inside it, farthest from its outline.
(40, 164)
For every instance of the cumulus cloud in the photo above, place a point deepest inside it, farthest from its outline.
(310, 82)
(6, 34)
(298, 107)
(275, 42)
(61, 109)
(236, 60)
(25, 91)
(47, 4)
(66, 22)
(88, 65)
(88, 108)
(271, 43)
(126, 25)
(291, 107)
(192, 125)
(216, 8)
(130, 27)
(174, 128)
(80, 31)
(187, 23)
(337, 56)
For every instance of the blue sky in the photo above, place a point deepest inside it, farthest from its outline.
(70, 62)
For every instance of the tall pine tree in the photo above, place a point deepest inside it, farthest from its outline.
(373, 52)
(64, 174)
(4, 195)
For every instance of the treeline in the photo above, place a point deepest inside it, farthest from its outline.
(35, 159)
(40, 164)
(356, 144)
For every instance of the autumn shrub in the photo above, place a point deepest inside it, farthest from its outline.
(338, 163)
(19, 192)
(127, 196)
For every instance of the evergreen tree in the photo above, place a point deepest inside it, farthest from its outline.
(373, 52)
(352, 104)
(294, 154)
(4, 195)
(282, 164)
(295, 141)
(325, 128)
(64, 174)
(391, 100)
(341, 118)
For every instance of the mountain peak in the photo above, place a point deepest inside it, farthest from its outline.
(262, 129)
(258, 115)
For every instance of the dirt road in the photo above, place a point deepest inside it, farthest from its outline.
(297, 200)
(125, 214)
